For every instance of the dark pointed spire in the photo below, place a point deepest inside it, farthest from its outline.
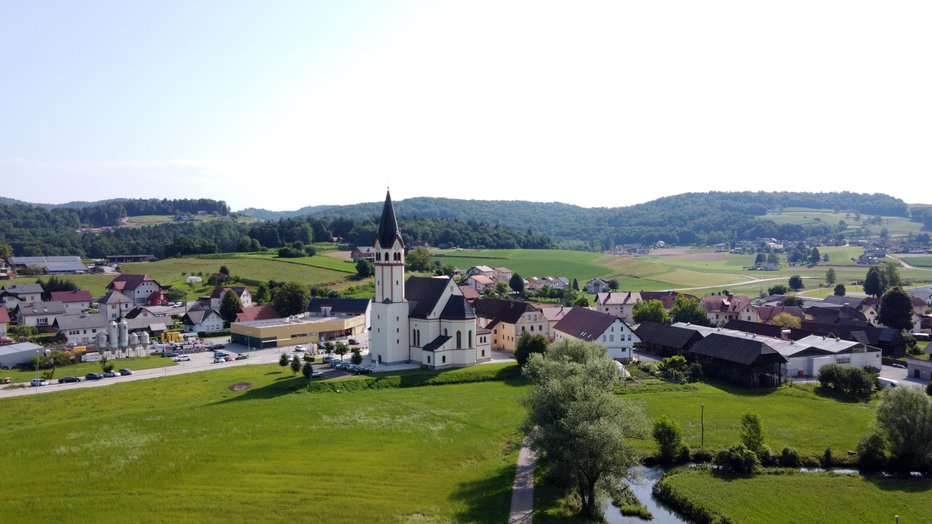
(388, 226)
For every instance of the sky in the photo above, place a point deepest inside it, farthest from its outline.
(282, 104)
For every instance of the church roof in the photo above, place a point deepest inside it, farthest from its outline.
(423, 293)
(507, 311)
(436, 343)
(388, 225)
(457, 309)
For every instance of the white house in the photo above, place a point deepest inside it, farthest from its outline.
(594, 326)
(481, 282)
(597, 285)
(39, 314)
(202, 321)
(4, 321)
(15, 294)
(216, 297)
(618, 303)
(81, 329)
(137, 287)
(115, 304)
(74, 301)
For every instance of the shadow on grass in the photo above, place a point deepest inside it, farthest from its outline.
(281, 386)
(488, 499)
(902, 483)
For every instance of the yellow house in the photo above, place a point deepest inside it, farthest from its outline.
(307, 328)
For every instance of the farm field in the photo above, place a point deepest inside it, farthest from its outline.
(83, 368)
(896, 226)
(96, 284)
(807, 497)
(187, 448)
(791, 416)
(528, 262)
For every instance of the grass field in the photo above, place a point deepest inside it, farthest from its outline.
(529, 262)
(918, 261)
(808, 497)
(79, 370)
(792, 417)
(896, 226)
(188, 449)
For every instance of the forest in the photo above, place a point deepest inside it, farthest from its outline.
(687, 219)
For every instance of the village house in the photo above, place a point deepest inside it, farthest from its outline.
(722, 308)
(15, 294)
(597, 285)
(74, 301)
(39, 314)
(480, 270)
(4, 321)
(216, 296)
(363, 253)
(136, 287)
(81, 329)
(202, 321)
(587, 325)
(618, 303)
(554, 314)
(508, 319)
(481, 282)
(115, 304)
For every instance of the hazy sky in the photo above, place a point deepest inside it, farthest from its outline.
(285, 104)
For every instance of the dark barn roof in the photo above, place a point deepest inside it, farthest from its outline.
(667, 336)
(423, 293)
(743, 351)
(585, 324)
(457, 309)
(507, 311)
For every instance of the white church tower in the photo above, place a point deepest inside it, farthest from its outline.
(388, 338)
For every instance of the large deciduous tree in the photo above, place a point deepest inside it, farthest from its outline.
(230, 305)
(687, 309)
(291, 298)
(896, 309)
(516, 283)
(576, 421)
(418, 259)
(528, 345)
(873, 282)
(840, 290)
(796, 282)
(650, 311)
(904, 419)
(830, 276)
(786, 320)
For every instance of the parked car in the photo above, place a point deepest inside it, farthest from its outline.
(327, 359)
(352, 342)
(350, 368)
(242, 356)
(169, 354)
(93, 376)
(36, 382)
(125, 372)
(219, 360)
(182, 358)
(317, 374)
(68, 380)
(217, 345)
(365, 371)
(300, 349)
(229, 358)
(111, 374)
(897, 365)
(335, 363)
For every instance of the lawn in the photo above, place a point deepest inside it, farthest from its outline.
(808, 497)
(918, 261)
(96, 284)
(580, 265)
(896, 226)
(792, 417)
(186, 448)
(320, 260)
(83, 368)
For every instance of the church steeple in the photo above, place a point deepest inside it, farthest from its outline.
(388, 225)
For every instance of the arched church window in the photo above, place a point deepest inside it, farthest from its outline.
(459, 339)
(443, 359)
(469, 339)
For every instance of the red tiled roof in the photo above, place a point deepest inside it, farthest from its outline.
(4, 316)
(71, 296)
(257, 313)
(725, 304)
(469, 292)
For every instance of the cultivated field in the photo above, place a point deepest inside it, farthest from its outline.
(896, 226)
(808, 497)
(188, 449)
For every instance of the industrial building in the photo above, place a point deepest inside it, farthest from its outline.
(308, 328)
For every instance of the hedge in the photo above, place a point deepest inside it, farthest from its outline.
(483, 373)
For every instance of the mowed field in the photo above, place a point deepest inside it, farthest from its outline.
(791, 417)
(896, 226)
(808, 497)
(188, 449)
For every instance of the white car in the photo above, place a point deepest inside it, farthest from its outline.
(300, 349)
(36, 382)
(182, 358)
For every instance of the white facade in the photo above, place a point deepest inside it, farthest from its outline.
(142, 291)
(211, 322)
(618, 338)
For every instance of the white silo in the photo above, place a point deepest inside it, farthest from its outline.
(133, 340)
(124, 333)
(112, 335)
(101, 341)
(144, 339)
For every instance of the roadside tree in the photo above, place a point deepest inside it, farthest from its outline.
(529, 344)
(295, 364)
(688, 309)
(650, 311)
(796, 283)
(896, 309)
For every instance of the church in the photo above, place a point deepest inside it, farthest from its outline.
(422, 320)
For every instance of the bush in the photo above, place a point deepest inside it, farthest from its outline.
(929, 389)
(429, 378)
(850, 381)
(703, 456)
(827, 458)
(872, 453)
(739, 460)
(307, 369)
(789, 458)
(752, 432)
(669, 437)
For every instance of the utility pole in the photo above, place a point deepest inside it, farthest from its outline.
(702, 425)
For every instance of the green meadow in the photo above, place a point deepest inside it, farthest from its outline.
(807, 497)
(188, 448)
(896, 226)
(792, 416)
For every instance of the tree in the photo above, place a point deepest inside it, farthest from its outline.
(613, 284)
(418, 259)
(777, 289)
(576, 422)
(792, 301)
(501, 288)
(6, 250)
(516, 283)
(760, 259)
(896, 310)
(355, 358)
(786, 320)
(262, 294)
(796, 283)
(873, 282)
(230, 305)
(307, 370)
(529, 344)
(295, 364)
(674, 368)
(575, 285)
(340, 349)
(814, 256)
(840, 290)
(283, 360)
(904, 419)
(364, 268)
(890, 276)
(669, 436)
(830, 276)
(650, 311)
(224, 271)
(752, 432)
(291, 298)
(687, 309)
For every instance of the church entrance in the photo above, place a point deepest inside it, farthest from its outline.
(380, 359)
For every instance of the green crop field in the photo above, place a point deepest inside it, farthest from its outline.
(96, 284)
(792, 417)
(807, 497)
(319, 260)
(896, 226)
(83, 368)
(529, 262)
(188, 449)
(918, 261)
